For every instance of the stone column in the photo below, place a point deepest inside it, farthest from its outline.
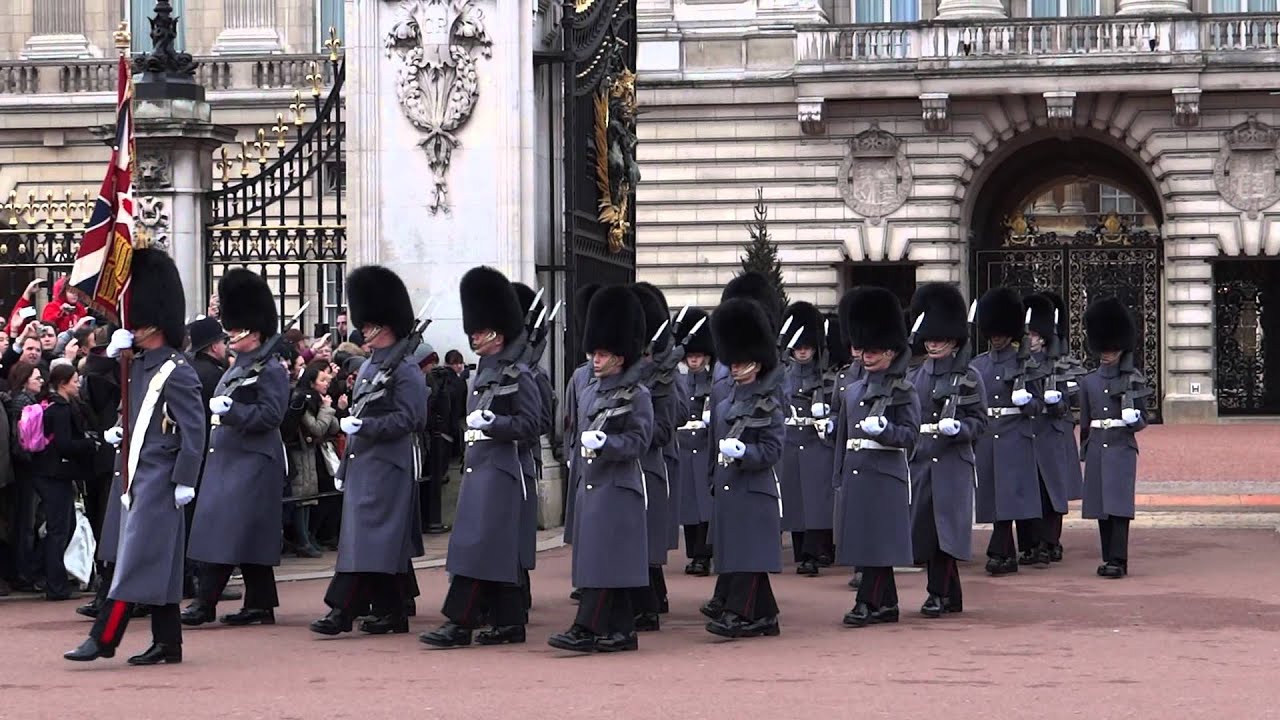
(1073, 199)
(1045, 205)
(58, 32)
(1153, 7)
(970, 9)
(250, 28)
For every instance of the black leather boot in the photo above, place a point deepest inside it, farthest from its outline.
(386, 625)
(249, 616)
(576, 639)
(332, 624)
(501, 635)
(647, 622)
(617, 642)
(90, 649)
(197, 613)
(807, 568)
(712, 608)
(158, 654)
(448, 635)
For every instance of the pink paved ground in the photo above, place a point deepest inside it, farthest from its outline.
(1193, 633)
(1235, 452)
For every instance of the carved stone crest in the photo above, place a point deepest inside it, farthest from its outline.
(875, 177)
(152, 171)
(151, 226)
(436, 80)
(1245, 172)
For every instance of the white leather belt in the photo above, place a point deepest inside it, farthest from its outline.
(215, 421)
(929, 429)
(475, 436)
(1003, 411)
(693, 425)
(866, 444)
(799, 422)
(1106, 424)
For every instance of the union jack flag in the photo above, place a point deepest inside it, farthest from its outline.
(101, 269)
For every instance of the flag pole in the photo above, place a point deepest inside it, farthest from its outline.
(123, 41)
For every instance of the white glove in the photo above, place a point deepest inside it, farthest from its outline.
(593, 439)
(220, 405)
(479, 419)
(828, 427)
(338, 484)
(183, 494)
(1131, 416)
(121, 340)
(820, 410)
(1021, 397)
(873, 425)
(1052, 397)
(706, 417)
(732, 448)
(949, 427)
(350, 425)
(114, 435)
(126, 500)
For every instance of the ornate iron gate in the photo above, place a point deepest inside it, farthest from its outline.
(284, 215)
(1244, 301)
(38, 239)
(599, 148)
(1110, 260)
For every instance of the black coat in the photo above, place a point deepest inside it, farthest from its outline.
(69, 453)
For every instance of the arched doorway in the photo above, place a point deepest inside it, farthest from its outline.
(1079, 217)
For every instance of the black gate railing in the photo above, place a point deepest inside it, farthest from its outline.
(39, 238)
(1110, 260)
(1246, 304)
(279, 209)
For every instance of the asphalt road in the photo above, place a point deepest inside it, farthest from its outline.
(1193, 632)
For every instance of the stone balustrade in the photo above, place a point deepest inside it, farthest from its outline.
(265, 72)
(1040, 37)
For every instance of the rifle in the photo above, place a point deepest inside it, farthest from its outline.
(269, 351)
(616, 403)
(755, 411)
(960, 379)
(1028, 368)
(375, 388)
(1135, 385)
(539, 333)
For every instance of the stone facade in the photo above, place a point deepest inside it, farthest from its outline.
(1175, 111)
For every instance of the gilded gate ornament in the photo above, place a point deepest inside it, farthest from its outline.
(436, 81)
(875, 177)
(617, 173)
(1245, 172)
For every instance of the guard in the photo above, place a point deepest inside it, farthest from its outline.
(694, 442)
(503, 409)
(239, 519)
(379, 472)
(952, 418)
(531, 448)
(1112, 399)
(1064, 377)
(159, 465)
(611, 555)
(875, 435)
(581, 376)
(1051, 420)
(807, 456)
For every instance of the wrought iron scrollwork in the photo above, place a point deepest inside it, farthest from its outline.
(1240, 325)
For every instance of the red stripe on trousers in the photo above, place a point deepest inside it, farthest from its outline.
(118, 609)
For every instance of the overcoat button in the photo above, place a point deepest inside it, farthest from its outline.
(1104, 445)
(997, 437)
(801, 447)
(468, 469)
(855, 472)
(935, 459)
(695, 451)
(726, 487)
(589, 487)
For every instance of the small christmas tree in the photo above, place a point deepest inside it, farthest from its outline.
(762, 253)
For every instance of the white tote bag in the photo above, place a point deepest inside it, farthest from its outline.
(78, 557)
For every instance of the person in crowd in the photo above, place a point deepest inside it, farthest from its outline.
(310, 425)
(26, 381)
(441, 440)
(6, 502)
(4, 342)
(58, 468)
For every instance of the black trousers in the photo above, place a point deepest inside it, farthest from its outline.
(878, 588)
(746, 594)
(1050, 519)
(605, 611)
(106, 571)
(113, 619)
(471, 602)
(259, 585)
(817, 544)
(648, 599)
(58, 498)
(1114, 533)
(352, 593)
(944, 577)
(1002, 544)
(696, 546)
(190, 568)
(797, 545)
(430, 493)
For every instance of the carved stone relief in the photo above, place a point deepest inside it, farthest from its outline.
(875, 177)
(151, 226)
(153, 171)
(1245, 172)
(435, 42)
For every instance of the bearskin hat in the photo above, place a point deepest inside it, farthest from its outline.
(743, 334)
(377, 296)
(656, 312)
(1042, 320)
(701, 342)
(615, 322)
(1064, 319)
(1000, 313)
(874, 319)
(581, 301)
(489, 302)
(838, 354)
(156, 298)
(944, 310)
(245, 302)
(1109, 326)
(808, 319)
(754, 286)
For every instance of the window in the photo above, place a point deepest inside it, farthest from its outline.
(1113, 200)
(1242, 6)
(140, 14)
(886, 11)
(1062, 8)
(331, 294)
(332, 14)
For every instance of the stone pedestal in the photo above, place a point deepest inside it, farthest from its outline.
(1153, 7)
(420, 204)
(970, 9)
